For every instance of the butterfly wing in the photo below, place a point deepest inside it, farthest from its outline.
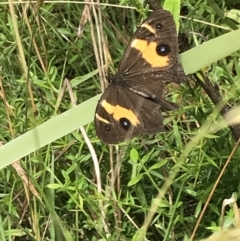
(153, 48)
(122, 115)
(132, 104)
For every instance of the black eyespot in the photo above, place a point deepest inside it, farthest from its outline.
(163, 49)
(158, 25)
(125, 123)
(107, 128)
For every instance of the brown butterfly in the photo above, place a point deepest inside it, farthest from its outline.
(133, 102)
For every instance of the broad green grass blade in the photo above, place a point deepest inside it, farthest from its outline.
(47, 132)
(210, 52)
(81, 115)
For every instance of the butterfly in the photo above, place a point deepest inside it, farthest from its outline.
(133, 102)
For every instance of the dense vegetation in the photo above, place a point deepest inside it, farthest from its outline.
(50, 187)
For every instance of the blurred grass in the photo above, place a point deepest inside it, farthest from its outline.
(58, 182)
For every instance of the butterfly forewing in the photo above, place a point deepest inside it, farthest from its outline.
(154, 46)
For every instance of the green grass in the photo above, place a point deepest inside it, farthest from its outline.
(57, 184)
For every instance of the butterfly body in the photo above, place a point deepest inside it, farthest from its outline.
(133, 102)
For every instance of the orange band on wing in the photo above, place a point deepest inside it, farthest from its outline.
(149, 53)
(119, 112)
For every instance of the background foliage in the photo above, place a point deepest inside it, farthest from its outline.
(55, 192)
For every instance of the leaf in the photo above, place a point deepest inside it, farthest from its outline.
(134, 156)
(234, 14)
(135, 180)
(159, 164)
(54, 186)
